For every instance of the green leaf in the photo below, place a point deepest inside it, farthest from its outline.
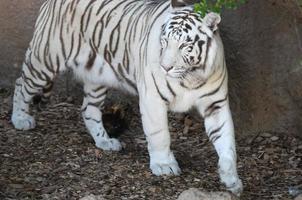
(205, 6)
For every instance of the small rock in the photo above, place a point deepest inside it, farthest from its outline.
(195, 194)
(186, 130)
(188, 121)
(299, 197)
(153, 189)
(92, 197)
(70, 99)
(6, 155)
(270, 173)
(274, 138)
(265, 157)
(16, 186)
(259, 139)
(247, 148)
(266, 135)
(250, 140)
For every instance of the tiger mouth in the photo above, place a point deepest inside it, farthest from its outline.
(176, 75)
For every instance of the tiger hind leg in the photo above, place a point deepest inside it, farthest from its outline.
(30, 84)
(93, 101)
(41, 100)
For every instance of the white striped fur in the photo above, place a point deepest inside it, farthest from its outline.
(167, 55)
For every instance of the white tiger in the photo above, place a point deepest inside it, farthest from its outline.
(159, 50)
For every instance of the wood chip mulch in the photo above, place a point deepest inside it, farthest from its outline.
(58, 160)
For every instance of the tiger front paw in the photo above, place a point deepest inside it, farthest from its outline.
(111, 144)
(236, 187)
(165, 169)
(23, 121)
(164, 165)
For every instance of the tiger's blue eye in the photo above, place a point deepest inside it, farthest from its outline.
(186, 47)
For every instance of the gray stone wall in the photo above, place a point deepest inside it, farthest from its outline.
(263, 44)
(17, 18)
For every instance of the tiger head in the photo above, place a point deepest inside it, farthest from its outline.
(189, 44)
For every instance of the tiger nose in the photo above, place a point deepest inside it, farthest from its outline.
(167, 68)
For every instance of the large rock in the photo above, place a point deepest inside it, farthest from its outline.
(195, 194)
(92, 197)
(263, 44)
(17, 18)
(299, 197)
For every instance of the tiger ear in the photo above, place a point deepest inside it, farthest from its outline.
(183, 3)
(212, 20)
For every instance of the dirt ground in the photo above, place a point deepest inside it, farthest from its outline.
(58, 159)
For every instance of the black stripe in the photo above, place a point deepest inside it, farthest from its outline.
(171, 90)
(27, 90)
(199, 86)
(112, 10)
(160, 94)
(99, 88)
(207, 51)
(91, 58)
(100, 32)
(182, 84)
(97, 104)
(78, 50)
(155, 132)
(104, 3)
(25, 111)
(30, 68)
(126, 58)
(213, 132)
(58, 18)
(116, 30)
(83, 16)
(73, 14)
(128, 81)
(108, 58)
(143, 45)
(48, 88)
(211, 108)
(42, 28)
(21, 92)
(98, 96)
(88, 19)
(214, 139)
(71, 48)
(58, 64)
(91, 119)
(62, 40)
(27, 80)
(217, 89)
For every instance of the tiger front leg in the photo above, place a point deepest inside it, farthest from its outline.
(155, 124)
(21, 118)
(92, 115)
(220, 130)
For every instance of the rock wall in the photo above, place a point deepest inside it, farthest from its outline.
(263, 44)
(17, 19)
